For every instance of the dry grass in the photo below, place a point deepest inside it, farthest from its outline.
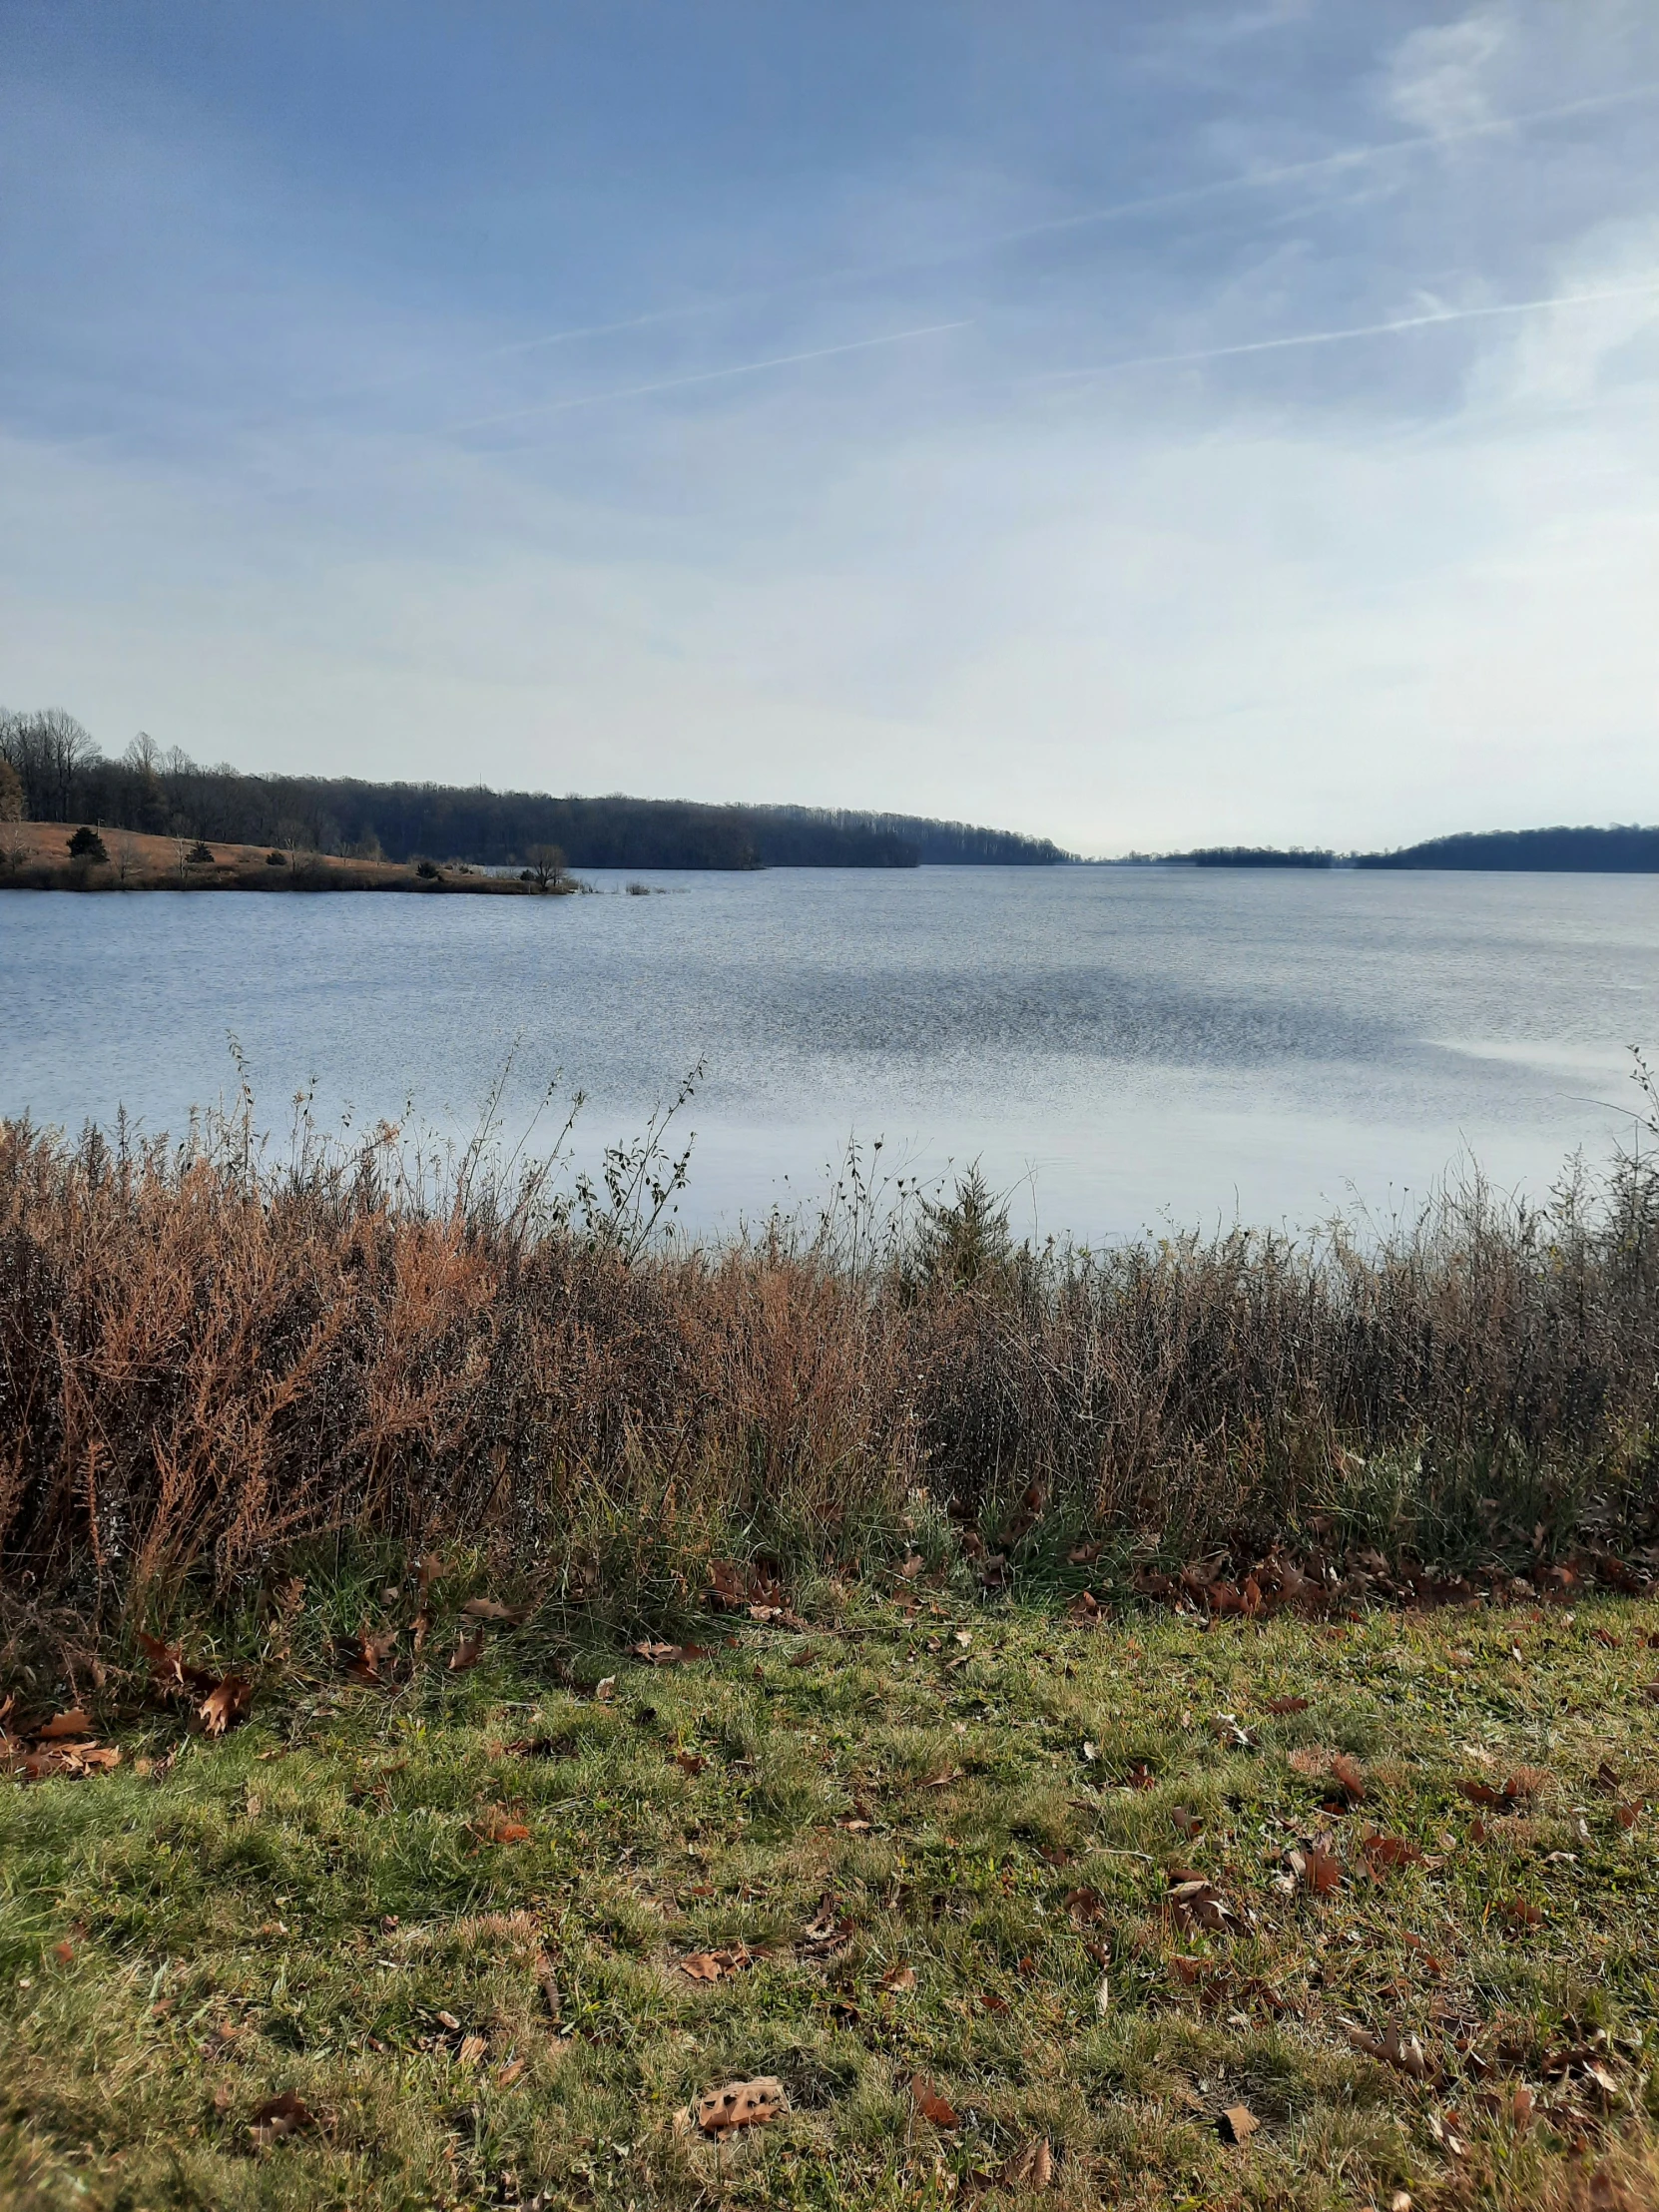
(34, 855)
(207, 1357)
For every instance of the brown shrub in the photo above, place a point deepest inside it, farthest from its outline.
(203, 1360)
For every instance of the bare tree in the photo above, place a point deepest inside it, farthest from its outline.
(547, 866)
(11, 793)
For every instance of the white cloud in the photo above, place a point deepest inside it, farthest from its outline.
(1440, 75)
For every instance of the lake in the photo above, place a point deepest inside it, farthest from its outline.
(1121, 1047)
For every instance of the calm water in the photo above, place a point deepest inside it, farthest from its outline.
(1120, 1047)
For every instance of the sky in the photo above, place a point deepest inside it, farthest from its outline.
(1144, 426)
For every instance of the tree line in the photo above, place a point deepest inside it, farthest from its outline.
(61, 774)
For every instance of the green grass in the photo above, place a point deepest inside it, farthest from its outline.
(313, 1905)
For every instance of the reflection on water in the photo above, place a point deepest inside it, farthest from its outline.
(1122, 1045)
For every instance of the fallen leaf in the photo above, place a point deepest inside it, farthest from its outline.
(491, 1610)
(605, 1691)
(931, 2105)
(1141, 1777)
(547, 1982)
(509, 2073)
(943, 1779)
(1306, 1759)
(711, 1966)
(72, 1723)
(467, 1652)
(1237, 2124)
(226, 1703)
(472, 2049)
(1085, 1906)
(280, 2116)
(741, 2105)
(1349, 1774)
(913, 1567)
(1280, 1706)
(1186, 1824)
(1030, 2169)
(689, 1762)
(1324, 1871)
(1405, 2053)
(1521, 1913)
(498, 1828)
(1390, 1852)
(899, 1979)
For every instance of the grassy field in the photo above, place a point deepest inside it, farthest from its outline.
(35, 856)
(1003, 1901)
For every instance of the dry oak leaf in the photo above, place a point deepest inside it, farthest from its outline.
(72, 1723)
(1237, 2124)
(943, 1779)
(1280, 1706)
(467, 1652)
(931, 2105)
(491, 1610)
(689, 1762)
(1030, 2169)
(741, 2105)
(1390, 1852)
(225, 1704)
(1349, 1774)
(280, 2116)
(1316, 1867)
(710, 1965)
(1405, 2053)
(472, 2049)
(899, 1979)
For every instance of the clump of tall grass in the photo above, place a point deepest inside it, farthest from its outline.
(212, 1353)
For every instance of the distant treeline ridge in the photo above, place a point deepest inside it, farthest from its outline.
(64, 776)
(1620, 850)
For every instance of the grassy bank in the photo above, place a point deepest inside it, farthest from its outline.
(36, 855)
(1007, 1905)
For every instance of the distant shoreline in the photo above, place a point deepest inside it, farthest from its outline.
(36, 857)
(1624, 849)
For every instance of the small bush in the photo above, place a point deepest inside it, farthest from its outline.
(200, 854)
(275, 859)
(87, 844)
(430, 871)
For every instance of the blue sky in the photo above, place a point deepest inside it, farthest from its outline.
(1142, 425)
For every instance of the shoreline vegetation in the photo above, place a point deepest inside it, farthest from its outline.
(37, 855)
(490, 1685)
(215, 1348)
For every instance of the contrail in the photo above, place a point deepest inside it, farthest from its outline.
(1353, 331)
(1352, 157)
(705, 376)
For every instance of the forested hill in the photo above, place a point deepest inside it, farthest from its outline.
(64, 776)
(1618, 852)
